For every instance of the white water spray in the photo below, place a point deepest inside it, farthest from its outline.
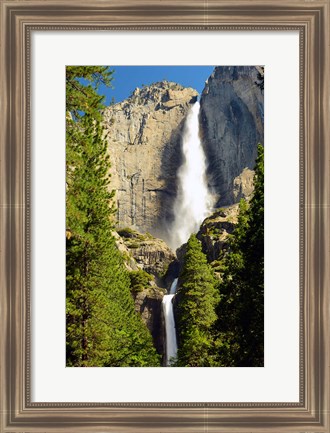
(194, 201)
(171, 344)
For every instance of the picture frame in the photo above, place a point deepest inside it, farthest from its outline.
(18, 19)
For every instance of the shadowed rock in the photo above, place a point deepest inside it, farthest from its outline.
(232, 112)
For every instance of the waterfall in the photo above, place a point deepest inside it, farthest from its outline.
(171, 344)
(192, 205)
(194, 201)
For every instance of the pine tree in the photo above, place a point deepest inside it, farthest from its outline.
(196, 301)
(82, 97)
(82, 86)
(240, 323)
(102, 326)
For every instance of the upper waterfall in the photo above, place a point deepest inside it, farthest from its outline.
(193, 202)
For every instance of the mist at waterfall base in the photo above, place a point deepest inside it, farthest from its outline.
(193, 202)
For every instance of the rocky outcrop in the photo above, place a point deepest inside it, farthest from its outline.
(149, 304)
(129, 261)
(243, 185)
(232, 111)
(144, 252)
(215, 229)
(144, 134)
(149, 253)
(213, 234)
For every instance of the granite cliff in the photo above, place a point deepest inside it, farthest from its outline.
(144, 134)
(232, 112)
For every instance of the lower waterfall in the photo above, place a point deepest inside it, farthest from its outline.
(171, 343)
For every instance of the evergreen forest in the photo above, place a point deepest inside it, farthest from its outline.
(102, 327)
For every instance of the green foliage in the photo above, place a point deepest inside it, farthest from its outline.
(197, 299)
(82, 85)
(102, 326)
(83, 107)
(221, 321)
(139, 280)
(162, 273)
(129, 233)
(240, 323)
(133, 245)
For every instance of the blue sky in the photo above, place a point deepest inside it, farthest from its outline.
(127, 78)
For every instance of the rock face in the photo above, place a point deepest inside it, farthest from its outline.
(243, 185)
(143, 251)
(150, 254)
(232, 111)
(215, 229)
(149, 304)
(143, 134)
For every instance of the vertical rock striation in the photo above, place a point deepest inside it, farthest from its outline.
(232, 112)
(144, 135)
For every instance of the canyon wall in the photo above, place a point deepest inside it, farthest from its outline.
(144, 134)
(232, 119)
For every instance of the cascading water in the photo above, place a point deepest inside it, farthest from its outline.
(192, 205)
(194, 201)
(171, 344)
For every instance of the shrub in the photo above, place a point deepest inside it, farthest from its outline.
(139, 280)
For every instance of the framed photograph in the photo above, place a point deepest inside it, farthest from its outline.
(178, 72)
